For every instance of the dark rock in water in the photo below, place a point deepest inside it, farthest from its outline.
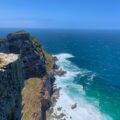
(51, 110)
(55, 96)
(68, 86)
(59, 109)
(60, 72)
(74, 106)
(60, 116)
(55, 59)
(55, 66)
(63, 119)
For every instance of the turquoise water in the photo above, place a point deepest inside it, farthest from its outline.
(94, 71)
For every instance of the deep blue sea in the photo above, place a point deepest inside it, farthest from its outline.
(92, 61)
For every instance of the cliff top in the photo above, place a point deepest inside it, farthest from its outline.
(18, 35)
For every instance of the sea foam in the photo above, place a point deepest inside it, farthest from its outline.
(72, 93)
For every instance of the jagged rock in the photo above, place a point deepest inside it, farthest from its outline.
(74, 106)
(51, 110)
(60, 72)
(55, 59)
(60, 116)
(59, 109)
(55, 66)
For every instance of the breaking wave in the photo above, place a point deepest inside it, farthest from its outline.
(73, 93)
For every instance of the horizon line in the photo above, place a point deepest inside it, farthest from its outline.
(23, 28)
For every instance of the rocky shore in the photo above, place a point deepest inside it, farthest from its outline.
(55, 96)
(57, 110)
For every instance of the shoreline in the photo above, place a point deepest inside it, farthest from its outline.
(65, 106)
(50, 112)
(57, 112)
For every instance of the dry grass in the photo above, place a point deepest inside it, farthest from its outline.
(32, 87)
(35, 42)
(31, 98)
(0, 60)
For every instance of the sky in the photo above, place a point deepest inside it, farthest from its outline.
(60, 14)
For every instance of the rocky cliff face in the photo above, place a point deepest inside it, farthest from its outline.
(25, 68)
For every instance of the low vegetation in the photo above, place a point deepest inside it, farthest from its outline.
(0, 60)
(31, 96)
(35, 42)
(49, 60)
(48, 57)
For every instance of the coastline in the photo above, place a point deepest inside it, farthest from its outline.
(58, 113)
(54, 99)
(68, 99)
(50, 114)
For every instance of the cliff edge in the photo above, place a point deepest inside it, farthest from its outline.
(26, 78)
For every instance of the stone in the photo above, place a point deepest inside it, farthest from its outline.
(60, 116)
(59, 108)
(74, 106)
(55, 59)
(55, 66)
(60, 72)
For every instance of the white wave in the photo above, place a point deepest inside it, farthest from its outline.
(64, 56)
(84, 110)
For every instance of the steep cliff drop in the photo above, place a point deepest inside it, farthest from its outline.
(26, 78)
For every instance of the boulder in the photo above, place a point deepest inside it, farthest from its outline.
(55, 66)
(60, 72)
(74, 106)
(60, 116)
(55, 59)
(59, 108)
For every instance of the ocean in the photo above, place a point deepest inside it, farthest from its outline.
(91, 59)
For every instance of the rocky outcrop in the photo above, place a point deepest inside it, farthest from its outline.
(74, 106)
(21, 58)
(47, 90)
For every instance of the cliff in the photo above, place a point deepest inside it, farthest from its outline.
(26, 78)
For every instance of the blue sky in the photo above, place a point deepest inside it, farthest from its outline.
(60, 14)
